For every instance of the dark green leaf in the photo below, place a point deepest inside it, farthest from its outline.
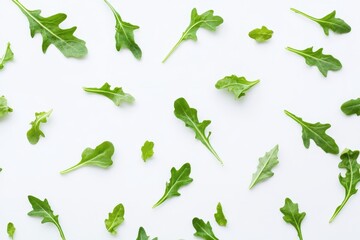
(4, 108)
(293, 216)
(351, 107)
(7, 57)
(261, 34)
(142, 235)
(34, 134)
(116, 218)
(219, 216)
(203, 230)
(11, 230)
(237, 85)
(147, 150)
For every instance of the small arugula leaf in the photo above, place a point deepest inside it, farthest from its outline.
(99, 157)
(207, 20)
(11, 230)
(189, 116)
(203, 230)
(316, 132)
(351, 178)
(323, 62)
(43, 209)
(293, 216)
(7, 57)
(142, 235)
(147, 150)
(48, 27)
(219, 216)
(351, 107)
(237, 85)
(124, 35)
(116, 218)
(34, 134)
(329, 22)
(4, 108)
(178, 179)
(117, 95)
(261, 34)
(266, 164)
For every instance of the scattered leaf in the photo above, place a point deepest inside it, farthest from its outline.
(4, 108)
(147, 150)
(351, 107)
(237, 85)
(7, 57)
(116, 218)
(293, 216)
(34, 134)
(219, 216)
(261, 34)
(203, 230)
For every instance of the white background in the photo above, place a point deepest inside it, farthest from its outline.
(242, 130)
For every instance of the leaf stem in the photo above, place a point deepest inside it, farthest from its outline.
(162, 199)
(338, 209)
(302, 13)
(173, 49)
(71, 169)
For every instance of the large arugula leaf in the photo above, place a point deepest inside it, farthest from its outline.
(115, 219)
(329, 22)
(207, 20)
(4, 108)
(261, 34)
(142, 235)
(293, 216)
(203, 230)
(147, 150)
(322, 61)
(99, 157)
(7, 57)
(43, 209)
(351, 107)
(266, 164)
(179, 178)
(48, 27)
(237, 85)
(34, 134)
(219, 216)
(124, 35)
(316, 132)
(189, 116)
(11, 230)
(351, 178)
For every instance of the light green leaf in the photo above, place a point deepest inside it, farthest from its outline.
(147, 150)
(266, 164)
(203, 230)
(116, 218)
(48, 27)
(261, 34)
(219, 216)
(316, 132)
(351, 107)
(11, 230)
(4, 108)
(34, 134)
(179, 178)
(293, 216)
(237, 85)
(99, 157)
(207, 20)
(142, 235)
(7, 57)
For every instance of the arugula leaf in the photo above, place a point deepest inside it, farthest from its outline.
(316, 132)
(7, 57)
(99, 157)
(43, 209)
(351, 107)
(34, 134)
(124, 35)
(142, 235)
(117, 95)
(147, 150)
(207, 20)
(48, 27)
(178, 179)
(219, 216)
(203, 230)
(261, 34)
(237, 85)
(266, 164)
(11, 230)
(293, 216)
(329, 22)
(351, 178)
(323, 62)
(188, 115)
(116, 218)
(4, 108)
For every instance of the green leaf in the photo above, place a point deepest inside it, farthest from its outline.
(203, 230)
(124, 35)
(237, 85)
(48, 27)
(323, 62)
(7, 57)
(316, 132)
(43, 209)
(266, 164)
(4, 108)
(351, 178)
(293, 216)
(219, 216)
(11, 230)
(142, 235)
(117, 95)
(351, 107)
(34, 134)
(179, 178)
(147, 150)
(207, 20)
(116, 218)
(99, 157)
(188, 115)
(261, 34)
(329, 22)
